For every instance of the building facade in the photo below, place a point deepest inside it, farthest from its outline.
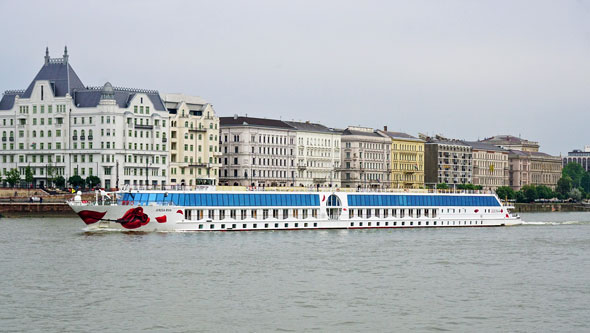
(534, 168)
(581, 157)
(407, 160)
(511, 142)
(490, 165)
(317, 155)
(60, 127)
(194, 141)
(366, 158)
(447, 161)
(257, 152)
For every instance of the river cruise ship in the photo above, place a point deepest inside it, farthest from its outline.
(210, 210)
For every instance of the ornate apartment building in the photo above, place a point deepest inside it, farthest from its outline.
(58, 126)
(366, 158)
(407, 160)
(581, 157)
(317, 155)
(257, 152)
(194, 141)
(526, 164)
(447, 161)
(490, 165)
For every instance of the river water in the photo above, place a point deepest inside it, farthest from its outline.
(530, 278)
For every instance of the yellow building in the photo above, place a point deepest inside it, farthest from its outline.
(194, 141)
(407, 160)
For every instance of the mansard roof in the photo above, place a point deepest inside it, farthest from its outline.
(64, 80)
(309, 127)
(402, 136)
(251, 121)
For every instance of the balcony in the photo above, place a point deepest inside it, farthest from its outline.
(149, 127)
(203, 130)
(75, 137)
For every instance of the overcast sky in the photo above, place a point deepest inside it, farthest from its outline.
(464, 69)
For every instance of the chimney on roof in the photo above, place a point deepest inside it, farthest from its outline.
(46, 55)
(385, 128)
(236, 116)
(66, 54)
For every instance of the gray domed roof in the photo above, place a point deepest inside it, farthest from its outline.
(107, 91)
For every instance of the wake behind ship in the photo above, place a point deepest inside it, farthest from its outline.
(210, 210)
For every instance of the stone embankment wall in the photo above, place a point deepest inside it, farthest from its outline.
(550, 207)
(19, 209)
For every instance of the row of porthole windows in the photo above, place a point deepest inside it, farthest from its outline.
(242, 214)
(411, 223)
(255, 226)
(378, 213)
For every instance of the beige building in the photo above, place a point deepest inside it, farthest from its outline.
(490, 165)
(407, 160)
(194, 141)
(366, 161)
(533, 168)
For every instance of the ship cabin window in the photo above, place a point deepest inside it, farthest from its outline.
(275, 214)
(385, 213)
(212, 226)
(254, 226)
(211, 213)
(266, 225)
(419, 223)
(426, 212)
(305, 212)
(200, 226)
(233, 226)
(352, 224)
(286, 225)
(377, 212)
(199, 214)
(386, 224)
(411, 214)
(369, 224)
(187, 214)
(232, 214)
(296, 225)
(222, 214)
(265, 214)
(295, 213)
(394, 212)
(403, 223)
(394, 223)
(426, 223)
(314, 213)
(411, 223)
(378, 223)
(285, 214)
(360, 211)
(305, 225)
(243, 214)
(254, 215)
(402, 213)
(360, 224)
(223, 226)
(434, 223)
(369, 213)
(434, 213)
(276, 225)
(315, 224)
(351, 213)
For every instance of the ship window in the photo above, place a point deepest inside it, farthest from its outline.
(276, 225)
(223, 226)
(314, 213)
(385, 213)
(351, 213)
(264, 214)
(419, 223)
(369, 224)
(386, 224)
(211, 213)
(285, 214)
(200, 226)
(254, 226)
(378, 223)
(305, 225)
(254, 213)
(296, 225)
(286, 225)
(305, 212)
(244, 225)
(232, 214)
(403, 223)
(360, 224)
(394, 223)
(212, 226)
(233, 226)
(295, 213)
(412, 223)
(222, 214)
(426, 222)
(266, 225)
(315, 224)
(352, 224)
(275, 213)
(434, 223)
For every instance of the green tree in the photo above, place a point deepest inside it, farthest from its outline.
(585, 182)
(59, 181)
(76, 181)
(13, 177)
(29, 175)
(575, 171)
(544, 192)
(520, 197)
(564, 185)
(505, 192)
(92, 181)
(575, 194)
(442, 186)
(530, 192)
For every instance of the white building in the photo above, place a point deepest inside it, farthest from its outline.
(194, 141)
(257, 152)
(61, 127)
(317, 155)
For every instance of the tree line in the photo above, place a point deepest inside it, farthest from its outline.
(13, 177)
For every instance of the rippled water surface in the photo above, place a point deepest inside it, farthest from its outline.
(530, 278)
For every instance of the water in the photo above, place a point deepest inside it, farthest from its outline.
(530, 278)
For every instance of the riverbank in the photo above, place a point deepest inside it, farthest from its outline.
(21, 209)
(550, 207)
